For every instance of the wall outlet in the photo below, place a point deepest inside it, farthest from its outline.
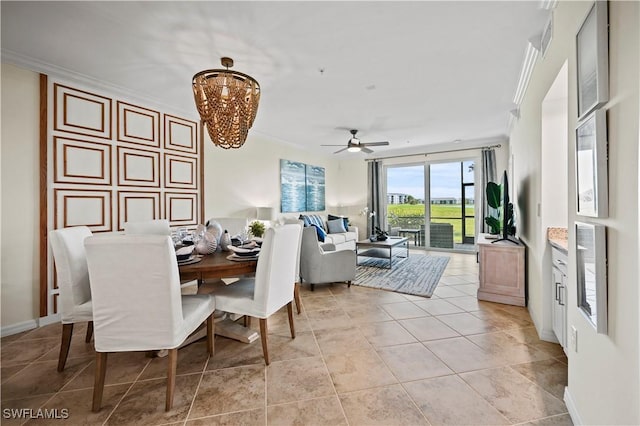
(573, 339)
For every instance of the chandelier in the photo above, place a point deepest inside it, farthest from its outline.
(227, 102)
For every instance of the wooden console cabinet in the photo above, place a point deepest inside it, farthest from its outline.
(501, 271)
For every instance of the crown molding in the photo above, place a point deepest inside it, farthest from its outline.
(35, 65)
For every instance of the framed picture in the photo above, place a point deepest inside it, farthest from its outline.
(292, 186)
(591, 260)
(591, 166)
(592, 49)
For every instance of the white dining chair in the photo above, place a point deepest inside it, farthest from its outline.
(137, 305)
(67, 246)
(148, 227)
(273, 284)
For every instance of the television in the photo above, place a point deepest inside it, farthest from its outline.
(506, 213)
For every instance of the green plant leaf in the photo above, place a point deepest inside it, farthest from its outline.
(493, 195)
(494, 224)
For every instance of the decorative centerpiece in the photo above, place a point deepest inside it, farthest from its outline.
(380, 234)
(257, 228)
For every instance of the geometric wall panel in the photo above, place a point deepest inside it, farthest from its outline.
(80, 112)
(105, 161)
(134, 206)
(77, 161)
(138, 168)
(181, 208)
(180, 134)
(180, 172)
(138, 125)
(74, 207)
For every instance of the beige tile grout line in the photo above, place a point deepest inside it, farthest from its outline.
(115, 407)
(333, 386)
(195, 394)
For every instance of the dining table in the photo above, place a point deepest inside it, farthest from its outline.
(216, 265)
(220, 266)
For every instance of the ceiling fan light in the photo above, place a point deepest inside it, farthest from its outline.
(353, 149)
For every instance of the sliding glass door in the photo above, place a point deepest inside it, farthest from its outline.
(405, 202)
(452, 205)
(449, 191)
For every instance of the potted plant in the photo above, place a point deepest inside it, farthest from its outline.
(498, 212)
(257, 228)
(493, 192)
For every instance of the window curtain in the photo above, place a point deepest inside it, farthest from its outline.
(488, 175)
(376, 199)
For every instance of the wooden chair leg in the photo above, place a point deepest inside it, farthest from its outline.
(290, 312)
(87, 338)
(98, 381)
(296, 296)
(349, 284)
(67, 332)
(247, 319)
(211, 328)
(171, 377)
(263, 337)
(313, 286)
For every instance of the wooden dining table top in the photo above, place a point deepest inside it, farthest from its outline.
(216, 265)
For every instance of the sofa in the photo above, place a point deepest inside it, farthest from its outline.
(345, 240)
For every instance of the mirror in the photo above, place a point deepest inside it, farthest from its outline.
(591, 260)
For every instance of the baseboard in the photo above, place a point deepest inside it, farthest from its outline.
(545, 334)
(49, 319)
(571, 407)
(10, 330)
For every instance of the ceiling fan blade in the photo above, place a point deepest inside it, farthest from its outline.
(340, 150)
(366, 150)
(375, 143)
(332, 145)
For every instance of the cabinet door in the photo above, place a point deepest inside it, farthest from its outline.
(558, 292)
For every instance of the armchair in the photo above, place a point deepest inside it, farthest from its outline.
(320, 263)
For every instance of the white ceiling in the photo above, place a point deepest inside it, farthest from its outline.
(412, 73)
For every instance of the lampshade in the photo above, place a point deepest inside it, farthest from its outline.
(227, 102)
(264, 213)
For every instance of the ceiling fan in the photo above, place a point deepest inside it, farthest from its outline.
(355, 145)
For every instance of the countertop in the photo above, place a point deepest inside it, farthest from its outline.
(558, 238)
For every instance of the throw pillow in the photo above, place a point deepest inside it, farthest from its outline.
(320, 232)
(344, 219)
(336, 226)
(305, 219)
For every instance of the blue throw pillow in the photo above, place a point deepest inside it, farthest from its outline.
(320, 232)
(336, 226)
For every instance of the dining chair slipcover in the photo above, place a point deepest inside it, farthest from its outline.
(319, 266)
(273, 284)
(148, 227)
(137, 305)
(72, 275)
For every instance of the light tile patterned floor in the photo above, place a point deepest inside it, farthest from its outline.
(361, 357)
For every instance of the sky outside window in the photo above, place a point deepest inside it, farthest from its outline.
(445, 179)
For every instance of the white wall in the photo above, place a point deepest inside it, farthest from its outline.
(604, 378)
(20, 194)
(239, 180)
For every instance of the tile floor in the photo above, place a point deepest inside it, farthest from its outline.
(361, 357)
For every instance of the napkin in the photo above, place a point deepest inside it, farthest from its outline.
(183, 253)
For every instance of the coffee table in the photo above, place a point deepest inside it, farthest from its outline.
(381, 249)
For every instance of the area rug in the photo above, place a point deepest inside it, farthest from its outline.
(417, 274)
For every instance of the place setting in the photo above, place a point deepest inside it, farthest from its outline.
(186, 255)
(245, 252)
